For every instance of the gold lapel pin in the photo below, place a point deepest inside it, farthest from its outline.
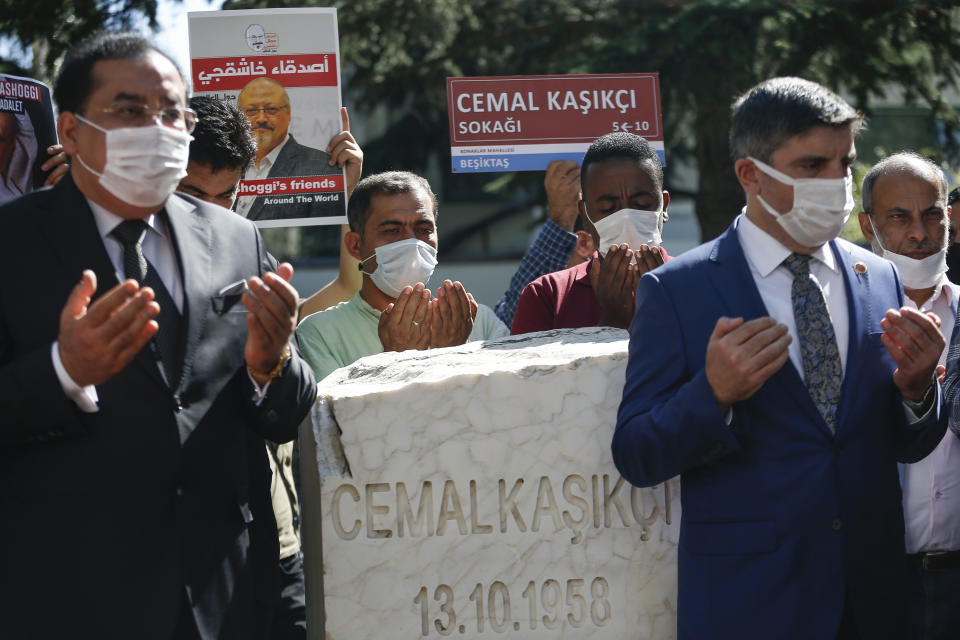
(860, 268)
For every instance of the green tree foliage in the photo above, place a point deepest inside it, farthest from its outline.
(710, 51)
(397, 55)
(47, 28)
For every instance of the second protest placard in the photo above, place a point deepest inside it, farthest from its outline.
(281, 68)
(522, 123)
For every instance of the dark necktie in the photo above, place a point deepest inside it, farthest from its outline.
(130, 233)
(818, 344)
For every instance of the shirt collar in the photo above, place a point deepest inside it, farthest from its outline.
(272, 156)
(765, 253)
(943, 287)
(107, 221)
(365, 306)
(582, 271)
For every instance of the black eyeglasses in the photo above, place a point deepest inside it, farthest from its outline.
(267, 111)
(137, 114)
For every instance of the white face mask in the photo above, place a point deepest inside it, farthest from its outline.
(915, 274)
(401, 264)
(144, 164)
(631, 226)
(821, 206)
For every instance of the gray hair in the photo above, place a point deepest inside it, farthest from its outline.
(775, 110)
(903, 163)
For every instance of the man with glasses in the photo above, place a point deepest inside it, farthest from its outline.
(267, 106)
(145, 354)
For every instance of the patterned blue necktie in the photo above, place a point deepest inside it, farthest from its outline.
(818, 344)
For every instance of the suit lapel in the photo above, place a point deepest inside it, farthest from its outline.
(256, 208)
(734, 282)
(733, 279)
(282, 168)
(192, 240)
(288, 160)
(74, 237)
(859, 313)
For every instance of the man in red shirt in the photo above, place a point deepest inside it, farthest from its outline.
(624, 207)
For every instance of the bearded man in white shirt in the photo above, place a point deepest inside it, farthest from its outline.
(906, 218)
(267, 105)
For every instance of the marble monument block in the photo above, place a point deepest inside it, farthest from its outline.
(470, 492)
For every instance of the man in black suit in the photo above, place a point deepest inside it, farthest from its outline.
(267, 106)
(135, 485)
(220, 150)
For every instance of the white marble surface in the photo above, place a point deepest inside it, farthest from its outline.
(512, 437)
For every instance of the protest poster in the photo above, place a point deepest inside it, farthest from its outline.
(522, 123)
(27, 128)
(281, 68)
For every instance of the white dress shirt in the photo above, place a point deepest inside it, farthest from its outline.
(158, 250)
(765, 256)
(253, 172)
(157, 247)
(931, 487)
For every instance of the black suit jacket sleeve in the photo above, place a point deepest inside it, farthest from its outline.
(44, 258)
(32, 402)
(290, 395)
(287, 402)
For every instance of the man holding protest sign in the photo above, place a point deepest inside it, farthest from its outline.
(222, 147)
(531, 123)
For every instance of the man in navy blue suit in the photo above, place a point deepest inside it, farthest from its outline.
(785, 380)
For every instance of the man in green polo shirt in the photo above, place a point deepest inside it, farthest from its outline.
(393, 232)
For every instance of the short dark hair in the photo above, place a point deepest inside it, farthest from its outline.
(222, 139)
(76, 81)
(622, 145)
(775, 110)
(386, 183)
